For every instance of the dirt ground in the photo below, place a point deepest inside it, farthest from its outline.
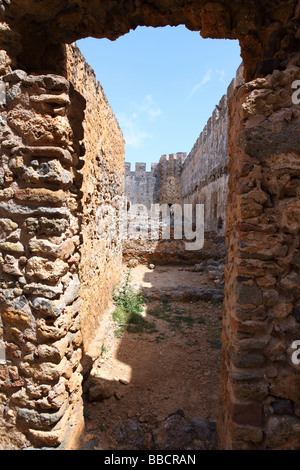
(168, 276)
(174, 365)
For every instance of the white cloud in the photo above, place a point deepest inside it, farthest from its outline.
(205, 79)
(148, 107)
(222, 75)
(134, 136)
(131, 123)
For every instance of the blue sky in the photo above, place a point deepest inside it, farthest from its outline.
(163, 85)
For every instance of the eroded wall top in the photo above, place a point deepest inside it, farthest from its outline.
(267, 30)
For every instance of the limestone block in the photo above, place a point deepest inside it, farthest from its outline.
(12, 247)
(44, 372)
(41, 196)
(46, 270)
(48, 353)
(36, 420)
(7, 225)
(50, 292)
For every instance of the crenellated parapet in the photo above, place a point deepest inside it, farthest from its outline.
(140, 170)
(155, 186)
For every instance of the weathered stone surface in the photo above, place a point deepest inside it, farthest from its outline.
(99, 391)
(11, 266)
(41, 268)
(48, 353)
(62, 99)
(103, 184)
(283, 433)
(264, 122)
(129, 435)
(16, 317)
(72, 291)
(15, 76)
(12, 247)
(46, 227)
(61, 154)
(51, 173)
(249, 295)
(255, 25)
(36, 420)
(39, 289)
(7, 225)
(178, 432)
(47, 307)
(261, 283)
(41, 196)
(45, 372)
(45, 247)
(17, 209)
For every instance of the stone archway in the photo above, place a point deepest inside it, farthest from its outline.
(42, 122)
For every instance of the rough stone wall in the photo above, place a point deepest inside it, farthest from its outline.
(259, 399)
(142, 190)
(141, 185)
(204, 174)
(53, 236)
(160, 186)
(169, 175)
(40, 383)
(267, 30)
(102, 190)
(260, 384)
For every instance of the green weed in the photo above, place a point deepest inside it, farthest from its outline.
(129, 307)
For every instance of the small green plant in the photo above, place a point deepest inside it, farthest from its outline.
(129, 307)
(102, 427)
(213, 336)
(103, 350)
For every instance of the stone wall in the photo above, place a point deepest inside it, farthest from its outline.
(204, 174)
(260, 384)
(161, 185)
(41, 130)
(199, 178)
(53, 237)
(267, 31)
(169, 177)
(140, 185)
(102, 190)
(40, 384)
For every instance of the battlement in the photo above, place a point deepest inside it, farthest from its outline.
(173, 157)
(140, 169)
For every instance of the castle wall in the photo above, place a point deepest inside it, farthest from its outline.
(204, 175)
(169, 174)
(102, 190)
(141, 186)
(58, 263)
(199, 178)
